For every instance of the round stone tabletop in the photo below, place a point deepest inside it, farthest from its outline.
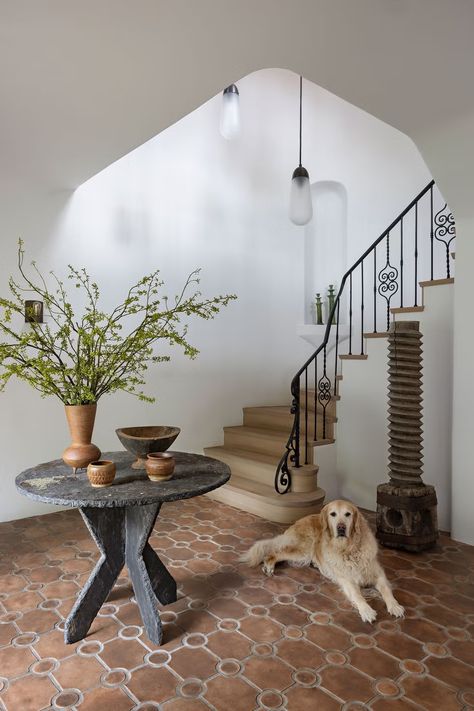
(54, 483)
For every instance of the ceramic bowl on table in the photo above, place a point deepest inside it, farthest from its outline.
(101, 473)
(160, 466)
(141, 441)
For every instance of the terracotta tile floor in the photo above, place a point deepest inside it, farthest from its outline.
(234, 640)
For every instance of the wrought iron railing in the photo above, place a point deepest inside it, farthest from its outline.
(389, 267)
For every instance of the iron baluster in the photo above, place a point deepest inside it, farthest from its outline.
(324, 391)
(362, 308)
(306, 416)
(431, 230)
(337, 347)
(388, 281)
(416, 254)
(375, 289)
(297, 404)
(401, 264)
(445, 227)
(350, 313)
(316, 399)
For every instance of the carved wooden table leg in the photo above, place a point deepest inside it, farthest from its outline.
(150, 579)
(106, 527)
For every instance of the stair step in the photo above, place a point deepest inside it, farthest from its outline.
(437, 282)
(406, 309)
(350, 356)
(270, 443)
(279, 418)
(263, 500)
(330, 407)
(253, 439)
(247, 465)
(378, 334)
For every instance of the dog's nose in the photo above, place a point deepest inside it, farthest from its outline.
(341, 529)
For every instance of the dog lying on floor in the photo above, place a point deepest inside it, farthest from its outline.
(339, 542)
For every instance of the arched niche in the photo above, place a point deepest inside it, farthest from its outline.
(325, 244)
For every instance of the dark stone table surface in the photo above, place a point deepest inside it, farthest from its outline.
(120, 519)
(54, 483)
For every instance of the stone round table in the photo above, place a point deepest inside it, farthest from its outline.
(120, 519)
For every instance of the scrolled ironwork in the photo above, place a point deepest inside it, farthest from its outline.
(388, 278)
(324, 391)
(386, 285)
(445, 232)
(283, 474)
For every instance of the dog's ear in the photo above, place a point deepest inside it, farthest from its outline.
(357, 518)
(325, 520)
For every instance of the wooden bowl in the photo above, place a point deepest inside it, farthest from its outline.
(140, 441)
(159, 466)
(101, 473)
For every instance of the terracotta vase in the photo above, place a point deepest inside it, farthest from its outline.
(81, 451)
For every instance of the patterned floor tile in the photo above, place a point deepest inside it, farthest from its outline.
(235, 640)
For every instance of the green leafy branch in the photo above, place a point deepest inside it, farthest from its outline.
(79, 359)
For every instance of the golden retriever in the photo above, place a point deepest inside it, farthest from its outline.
(340, 543)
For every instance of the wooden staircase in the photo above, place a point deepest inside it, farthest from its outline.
(262, 450)
(253, 449)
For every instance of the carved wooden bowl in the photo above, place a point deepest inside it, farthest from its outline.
(141, 441)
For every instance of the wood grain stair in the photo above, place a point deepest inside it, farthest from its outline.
(436, 282)
(252, 451)
(353, 356)
(406, 309)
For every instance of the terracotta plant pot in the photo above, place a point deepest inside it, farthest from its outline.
(159, 466)
(81, 451)
(101, 473)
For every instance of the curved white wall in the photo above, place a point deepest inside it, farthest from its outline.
(325, 244)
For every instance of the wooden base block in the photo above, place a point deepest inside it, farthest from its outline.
(407, 516)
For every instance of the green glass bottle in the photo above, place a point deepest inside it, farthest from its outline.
(319, 309)
(331, 301)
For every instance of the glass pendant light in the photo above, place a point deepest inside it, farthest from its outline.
(301, 205)
(230, 113)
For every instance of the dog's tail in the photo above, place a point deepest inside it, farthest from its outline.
(260, 550)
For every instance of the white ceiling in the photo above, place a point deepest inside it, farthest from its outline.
(82, 83)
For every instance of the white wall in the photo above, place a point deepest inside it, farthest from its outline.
(362, 427)
(463, 388)
(188, 198)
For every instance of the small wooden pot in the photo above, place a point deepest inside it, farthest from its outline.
(101, 473)
(159, 466)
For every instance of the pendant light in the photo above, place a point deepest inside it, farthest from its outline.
(230, 113)
(301, 206)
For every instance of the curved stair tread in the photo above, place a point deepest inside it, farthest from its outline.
(236, 454)
(266, 492)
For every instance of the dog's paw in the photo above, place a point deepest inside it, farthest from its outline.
(268, 570)
(368, 614)
(396, 610)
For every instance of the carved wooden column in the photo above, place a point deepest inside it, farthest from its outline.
(406, 507)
